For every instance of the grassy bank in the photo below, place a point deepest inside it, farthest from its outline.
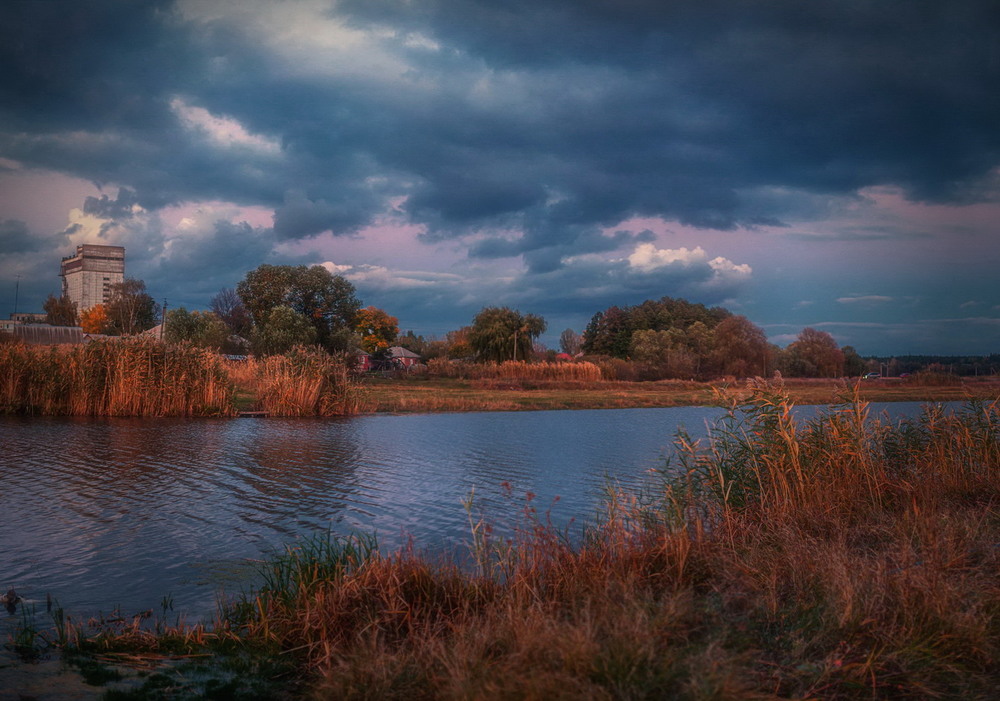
(839, 558)
(444, 394)
(136, 377)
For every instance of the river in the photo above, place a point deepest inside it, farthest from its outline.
(107, 513)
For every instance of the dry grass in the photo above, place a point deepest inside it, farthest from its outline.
(843, 558)
(142, 377)
(440, 394)
(129, 377)
(305, 382)
(515, 371)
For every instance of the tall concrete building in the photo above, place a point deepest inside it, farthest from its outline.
(88, 276)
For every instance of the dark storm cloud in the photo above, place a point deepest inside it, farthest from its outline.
(15, 237)
(106, 208)
(829, 96)
(299, 217)
(553, 119)
(210, 261)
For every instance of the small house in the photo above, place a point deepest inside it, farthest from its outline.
(403, 357)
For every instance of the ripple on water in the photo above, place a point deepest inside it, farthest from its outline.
(107, 512)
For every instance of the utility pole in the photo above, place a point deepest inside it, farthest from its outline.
(163, 321)
(17, 291)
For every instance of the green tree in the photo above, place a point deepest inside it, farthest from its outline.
(501, 333)
(610, 332)
(854, 364)
(662, 354)
(327, 302)
(413, 342)
(130, 309)
(652, 347)
(699, 338)
(60, 311)
(204, 329)
(282, 329)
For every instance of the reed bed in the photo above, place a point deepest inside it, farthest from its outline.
(127, 377)
(844, 557)
(305, 382)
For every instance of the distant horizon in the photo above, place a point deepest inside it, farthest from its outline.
(823, 165)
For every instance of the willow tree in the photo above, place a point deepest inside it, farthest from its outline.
(501, 333)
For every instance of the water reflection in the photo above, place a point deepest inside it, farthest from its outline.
(107, 512)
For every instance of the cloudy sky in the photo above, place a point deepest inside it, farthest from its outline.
(828, 164)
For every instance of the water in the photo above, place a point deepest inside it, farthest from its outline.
(106, 513)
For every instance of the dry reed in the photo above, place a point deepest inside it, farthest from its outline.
(305, 382)
(127, 377)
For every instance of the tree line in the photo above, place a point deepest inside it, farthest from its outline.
(276, 307)
(675, 338)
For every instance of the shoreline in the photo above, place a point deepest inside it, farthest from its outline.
(436, 395)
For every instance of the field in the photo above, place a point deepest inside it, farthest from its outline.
(455, 394)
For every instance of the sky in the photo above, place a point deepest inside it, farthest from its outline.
(823, 164)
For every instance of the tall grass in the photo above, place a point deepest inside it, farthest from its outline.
(128, 377)
(843, 557)
(305, 382)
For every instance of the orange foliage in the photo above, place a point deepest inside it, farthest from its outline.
(94, 320)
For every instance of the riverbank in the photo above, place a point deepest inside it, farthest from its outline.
(845, 557)
(436, 394)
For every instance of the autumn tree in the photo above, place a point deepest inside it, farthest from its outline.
(740, 348)
(325, 301)
(501, 333)
(94, 320)
(457, 344)
(130, 309)
(814, 354)
(204, 329)
(60, 311)
(378, 330)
